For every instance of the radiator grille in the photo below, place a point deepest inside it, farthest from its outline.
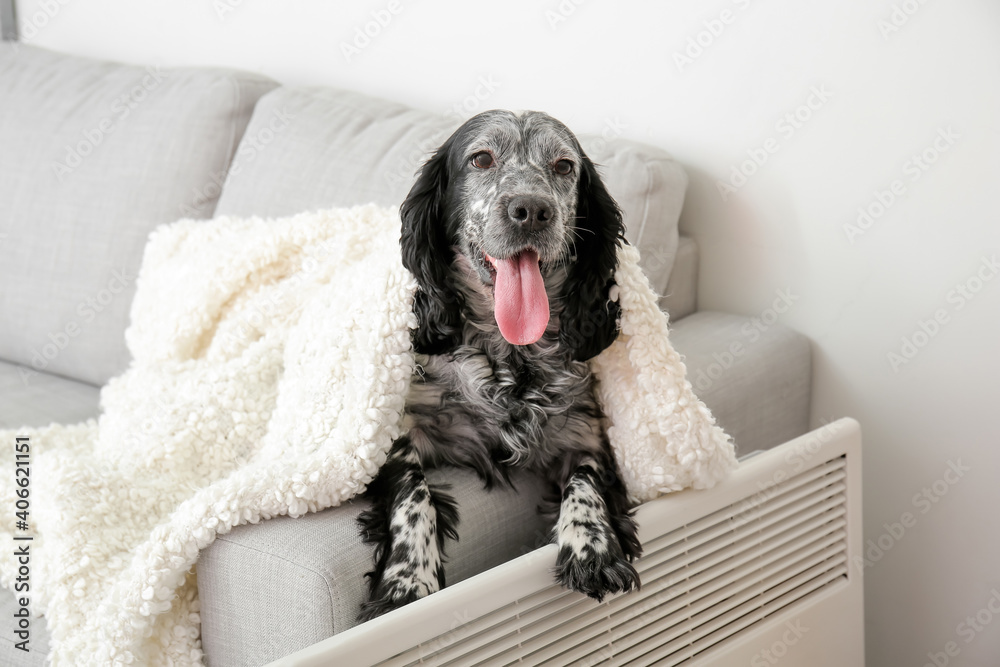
(701, 584)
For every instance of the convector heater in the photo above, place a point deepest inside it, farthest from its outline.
(763, 569)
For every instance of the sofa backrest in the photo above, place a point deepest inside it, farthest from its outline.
(93, 156)
(308, 148)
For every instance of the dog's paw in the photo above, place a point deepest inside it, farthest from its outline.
(395, 590)
(596, 574)
(383, 605)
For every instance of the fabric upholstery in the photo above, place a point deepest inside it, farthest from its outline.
(272, 588)
(309, 148)
(38, 644)
(756, 381)
(650, 187)
(94, 155)
(31, 398)
(681, 297)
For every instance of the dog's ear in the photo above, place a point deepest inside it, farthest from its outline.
(427, 254)
(589, 320)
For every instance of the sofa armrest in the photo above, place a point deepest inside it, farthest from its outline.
(755, 378)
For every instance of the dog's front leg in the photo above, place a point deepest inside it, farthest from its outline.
(595, 533)
(408, 523)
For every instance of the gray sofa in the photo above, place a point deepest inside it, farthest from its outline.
(94, 155)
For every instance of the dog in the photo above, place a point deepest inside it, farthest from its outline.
(512, 238)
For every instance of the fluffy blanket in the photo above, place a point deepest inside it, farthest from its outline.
(271, 359)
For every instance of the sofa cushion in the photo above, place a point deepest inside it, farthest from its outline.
(94, 156)
(649, 185)
(32, 398)
(309, 148)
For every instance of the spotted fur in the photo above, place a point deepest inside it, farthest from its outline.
(480, 402)
(596, 542)
(408, 524)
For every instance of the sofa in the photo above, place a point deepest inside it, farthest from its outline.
(95, 155)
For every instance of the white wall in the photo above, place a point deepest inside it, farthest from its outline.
(889, 95)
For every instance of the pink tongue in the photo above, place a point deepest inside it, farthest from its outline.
(522, 307)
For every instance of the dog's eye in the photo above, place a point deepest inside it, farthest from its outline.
(482, 160)
(563, 167)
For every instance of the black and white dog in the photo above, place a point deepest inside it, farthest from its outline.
(513, 240)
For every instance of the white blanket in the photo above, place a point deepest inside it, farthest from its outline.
(271, 359)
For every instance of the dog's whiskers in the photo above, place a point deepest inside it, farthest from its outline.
(575, 231)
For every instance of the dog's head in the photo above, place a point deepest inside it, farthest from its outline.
(516, 195)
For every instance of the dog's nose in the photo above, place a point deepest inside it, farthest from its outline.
(532, 213)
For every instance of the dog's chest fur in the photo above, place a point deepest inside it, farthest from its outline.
(489, 402)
